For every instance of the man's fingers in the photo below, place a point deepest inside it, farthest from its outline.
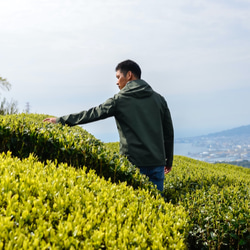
(51, 120)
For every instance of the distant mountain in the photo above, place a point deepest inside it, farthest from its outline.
(239, 131)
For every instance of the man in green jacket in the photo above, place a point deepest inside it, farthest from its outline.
(143, 121)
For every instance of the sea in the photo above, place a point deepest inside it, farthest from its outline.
(185, 148)
(189, 150)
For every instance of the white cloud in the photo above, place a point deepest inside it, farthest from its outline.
(68, 50)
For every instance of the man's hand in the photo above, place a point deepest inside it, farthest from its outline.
(51, 120)
(167, 169)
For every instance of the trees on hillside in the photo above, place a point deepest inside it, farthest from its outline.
(5, 106)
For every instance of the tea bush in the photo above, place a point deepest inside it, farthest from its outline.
(23, 134)
(44, 206)
(217, 197)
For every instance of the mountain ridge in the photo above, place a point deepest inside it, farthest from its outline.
(238, 131)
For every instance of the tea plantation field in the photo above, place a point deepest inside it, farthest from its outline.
(61, 188)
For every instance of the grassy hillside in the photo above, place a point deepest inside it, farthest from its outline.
(205, 206)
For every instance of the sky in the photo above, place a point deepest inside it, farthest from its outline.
(60, 57)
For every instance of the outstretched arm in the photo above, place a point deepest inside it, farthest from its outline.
(102, 111)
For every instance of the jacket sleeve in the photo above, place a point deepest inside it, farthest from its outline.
(102, 111)
(168, 131)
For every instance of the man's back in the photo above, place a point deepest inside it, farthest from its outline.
(140, 115)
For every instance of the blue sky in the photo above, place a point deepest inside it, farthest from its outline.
(60, 57)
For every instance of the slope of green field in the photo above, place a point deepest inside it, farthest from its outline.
(216, 197)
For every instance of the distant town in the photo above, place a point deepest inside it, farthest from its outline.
(226, 146)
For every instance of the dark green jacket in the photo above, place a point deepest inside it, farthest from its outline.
(143, 121)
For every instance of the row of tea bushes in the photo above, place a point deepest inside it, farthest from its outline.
(44, 206)
(217, 197)
(23, 134)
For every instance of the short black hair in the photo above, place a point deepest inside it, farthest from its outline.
(129, 65)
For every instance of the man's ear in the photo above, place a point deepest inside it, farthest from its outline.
(130, 76)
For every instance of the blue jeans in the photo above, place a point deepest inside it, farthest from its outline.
(155, 174)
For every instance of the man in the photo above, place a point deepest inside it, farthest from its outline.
(143, 121)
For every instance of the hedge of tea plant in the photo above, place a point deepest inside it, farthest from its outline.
(217, 197)
(23, 134)
(49, 206)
